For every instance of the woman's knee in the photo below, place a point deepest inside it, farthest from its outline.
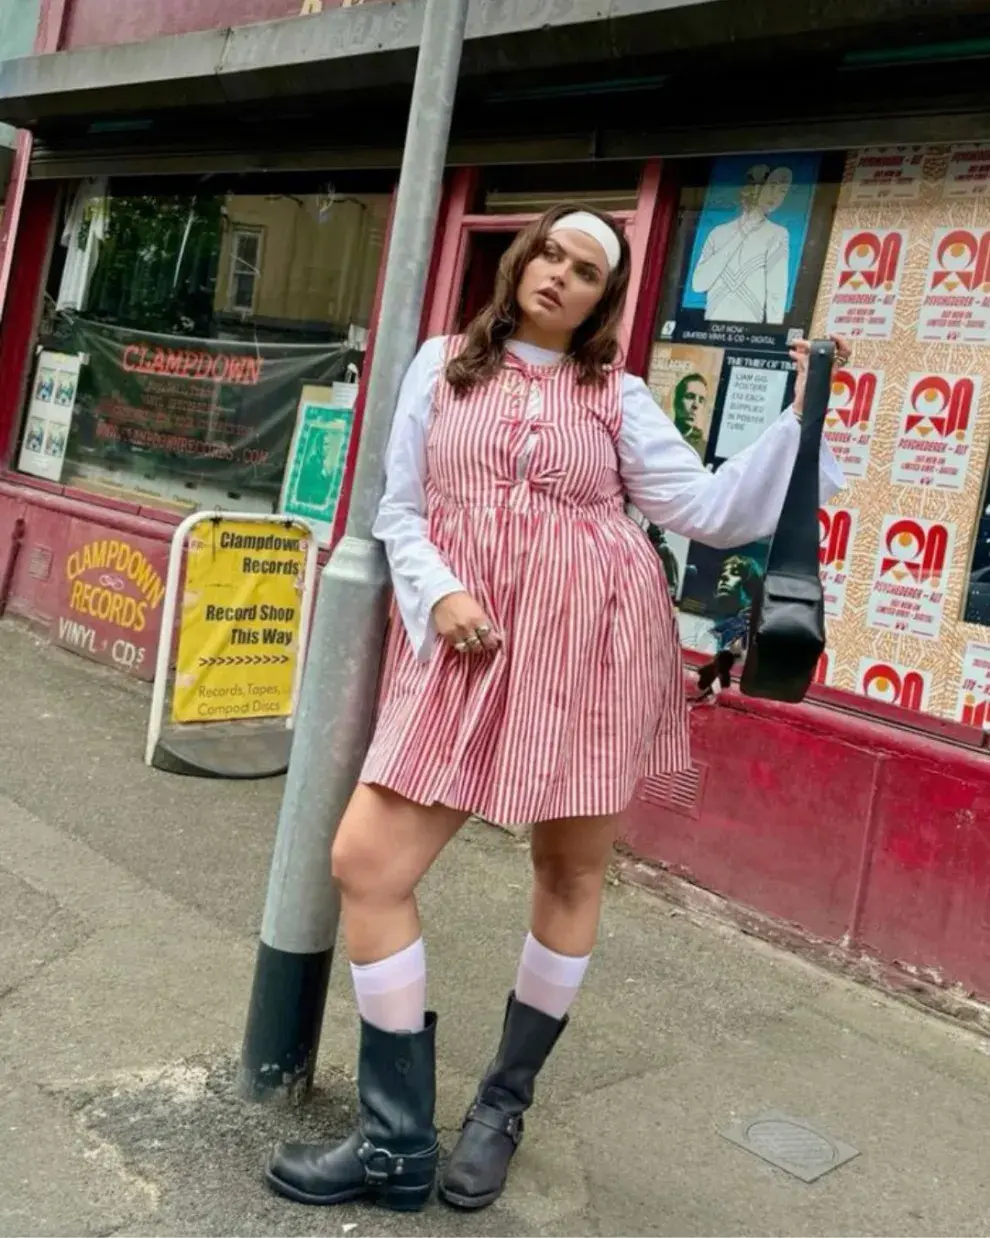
(359, 865)
(572, 881)
(385, 845)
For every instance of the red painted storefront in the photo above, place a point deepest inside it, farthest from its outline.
(860, 828)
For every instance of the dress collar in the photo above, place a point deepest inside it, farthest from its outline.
(523, 356)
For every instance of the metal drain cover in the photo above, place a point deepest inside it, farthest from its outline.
(791, 1144)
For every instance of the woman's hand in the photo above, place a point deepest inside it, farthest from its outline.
(464, 625)
(799, 355)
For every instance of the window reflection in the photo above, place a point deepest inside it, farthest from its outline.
(192, 328)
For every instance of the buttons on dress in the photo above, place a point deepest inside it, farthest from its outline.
(526, 455)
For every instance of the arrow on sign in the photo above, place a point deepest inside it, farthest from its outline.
(258, 659)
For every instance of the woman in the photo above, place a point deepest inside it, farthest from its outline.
(535, 677)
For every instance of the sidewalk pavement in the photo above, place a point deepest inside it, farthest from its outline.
(130, 903)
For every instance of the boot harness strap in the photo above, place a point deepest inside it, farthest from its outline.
(380, 1164)
(510, 1124)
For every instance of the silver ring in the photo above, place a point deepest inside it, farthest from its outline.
(471, 641)
(483, 631)
(461, 647)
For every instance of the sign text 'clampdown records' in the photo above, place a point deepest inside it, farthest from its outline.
(240, 621)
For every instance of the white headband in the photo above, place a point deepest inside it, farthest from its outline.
(597, 229)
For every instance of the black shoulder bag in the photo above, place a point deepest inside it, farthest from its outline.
(787, 621)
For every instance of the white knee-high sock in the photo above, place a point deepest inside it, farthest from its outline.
(391, 994)
(549, 981)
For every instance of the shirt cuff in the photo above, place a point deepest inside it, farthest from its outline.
(436, 588)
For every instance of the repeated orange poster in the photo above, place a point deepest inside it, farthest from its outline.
(886, 174)
(836, 538)
(849, 420)
(956, 305)
(867, 280)
(935, 435)
(908, 593)
(895, 684)
(973, 706)
(907, 276)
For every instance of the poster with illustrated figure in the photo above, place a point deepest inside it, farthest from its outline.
(717, 594)
(745, 262)
(684, 380)
(746, 257)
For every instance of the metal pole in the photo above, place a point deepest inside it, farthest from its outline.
(299, 927)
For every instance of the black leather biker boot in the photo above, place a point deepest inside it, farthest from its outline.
(476, 1172)
(391, 1158)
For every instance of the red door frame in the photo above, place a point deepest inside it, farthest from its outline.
(47, 38)
(29, 261)
(643, 227)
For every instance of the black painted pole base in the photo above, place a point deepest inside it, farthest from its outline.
(285, 1018)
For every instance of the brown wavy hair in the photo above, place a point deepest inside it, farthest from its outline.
(595, 345)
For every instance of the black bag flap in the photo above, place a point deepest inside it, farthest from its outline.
(780, 587)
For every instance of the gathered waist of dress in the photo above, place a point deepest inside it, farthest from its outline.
(528, 502)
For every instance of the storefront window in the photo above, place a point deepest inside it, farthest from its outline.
(188, 332)
(890, 247)
(245, 269)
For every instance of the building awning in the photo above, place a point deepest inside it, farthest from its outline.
(371, 46)
(360, 47)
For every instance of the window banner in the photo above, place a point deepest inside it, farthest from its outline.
(193, 408)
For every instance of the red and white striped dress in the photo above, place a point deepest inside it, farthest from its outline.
(526, 506)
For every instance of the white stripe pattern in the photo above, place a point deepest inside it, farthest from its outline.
(586, 695)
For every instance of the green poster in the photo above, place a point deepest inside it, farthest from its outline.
(317, 460)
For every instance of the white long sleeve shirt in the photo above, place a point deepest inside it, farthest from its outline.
(663, 477)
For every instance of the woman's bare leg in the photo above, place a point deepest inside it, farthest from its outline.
(570, 859)
(384, 847)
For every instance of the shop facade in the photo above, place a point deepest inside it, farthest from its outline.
(187, 329)
(19, 32)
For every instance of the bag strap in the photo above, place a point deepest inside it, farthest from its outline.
(794, 549)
